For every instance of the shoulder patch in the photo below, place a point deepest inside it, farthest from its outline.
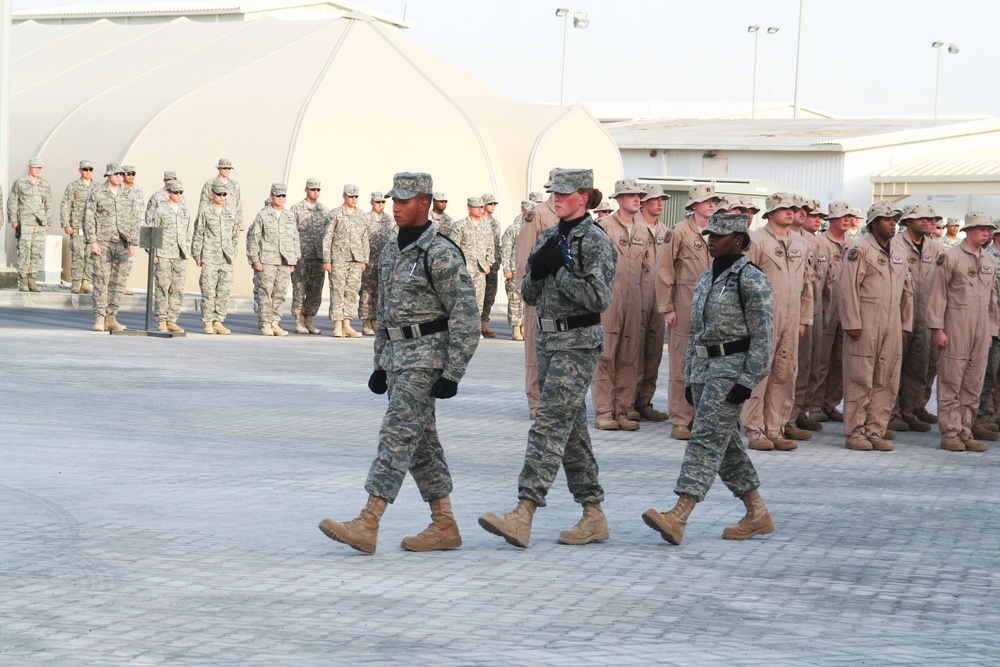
(940, 259)
(853, 254)
(529, 216)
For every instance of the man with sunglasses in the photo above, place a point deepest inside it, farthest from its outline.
(273, 251)
(140, 210)
(160, 197)
(171, 258)
(213, 249)
(345, 255)
(29, 209)
(307, 279)
(71, 212)
(381, 229)
(233, 200)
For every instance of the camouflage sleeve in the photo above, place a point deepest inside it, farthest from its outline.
(994, 311)
(151, 210)
(133, 222)
(591, 286)
(532, 289)
(89, 217)
(206, 196)
(254, 241)
(507, 249)
(66, 206)
(759, 305)
(12, 204)
(381, 337)
(704, 282)
(328, 228)
(197, 237)
(458, 296)
(296, 243)
(366, 244)
(47, 202)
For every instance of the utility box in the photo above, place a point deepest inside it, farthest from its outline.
(51, 272)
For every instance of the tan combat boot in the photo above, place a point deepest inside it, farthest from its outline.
(32, 285)
(348, 331)
(605, 424)
(592, 527)
(915, 424)
(75, 289)
(300, 325)
(172, 327)
(161, 326)
(671, 524)
(680, 432)
(310, 327)
(835, 415)
(86, 287)
(111, 324)
(880, 444)
(783, 444)
(265, 329)
(889, 434)
(486, 331)
(796, 433)
(219, 329)
(441, 535)
(980, 432)
(360, 533)
(972, 445)
(209, 329)
(368, 327)
(338, 329)
(858, 443)
(757, 520)
(952, 444)
(927, 417)
(99, 323)
(651, 414)
(626, 424)
(819, 416)
(514, 526)
(761, 445)
(802, 421)
(277, 330)
(897, 424)
(22, 282)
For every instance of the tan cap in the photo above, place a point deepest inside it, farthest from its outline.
(856, 212)
(838, 209)
(728, 203)
(978, 219)
(627, 186)
(881, 210)
(798, 201)
(747, 202)
(700, 193)
(779, 200)
(653, 191)
(914, 211)
(605, 205)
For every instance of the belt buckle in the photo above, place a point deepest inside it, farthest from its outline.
(548, 325)
(701, 351)
(395, 333)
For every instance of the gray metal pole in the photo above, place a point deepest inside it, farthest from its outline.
(4, 108)
(562, 83)
(937, 83)
(798, 62)
(756, 55)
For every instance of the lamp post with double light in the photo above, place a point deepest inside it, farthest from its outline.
(580, 21)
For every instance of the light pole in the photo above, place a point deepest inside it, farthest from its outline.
(755, 29)
(5, 9)
(581, 22)
(952, 48)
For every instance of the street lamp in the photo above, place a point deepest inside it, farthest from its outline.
(952, 48)
(755, 29)
(580, 21)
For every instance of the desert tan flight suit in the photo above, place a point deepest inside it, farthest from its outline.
(617, 373)
(963, 302)
(784, 262)
(684, 259)
(541, 217)
(830, 380)
(651, 337)
(808, 344)
(875, 295)
(916, 356)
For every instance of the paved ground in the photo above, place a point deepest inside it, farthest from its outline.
(159, 503)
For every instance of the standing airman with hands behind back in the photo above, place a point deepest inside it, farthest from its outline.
(73, 203)
(29, 210)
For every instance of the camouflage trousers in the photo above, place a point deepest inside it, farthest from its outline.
(169, 288)
(30, 247)
(715, 446)
(479, 283)
(110, 274)
(408, 440)
(216, 284)
(345, 286)
(80, 266)
(986, 398)
(490, 293)
(269, 296)
(515, 307)
(559, 434)
(368, 308)
(307, 287)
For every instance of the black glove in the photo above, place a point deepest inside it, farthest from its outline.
(377, 383)
(554, 259)
(444, 388)
(689, 395)
(539, 271)
(738, 394)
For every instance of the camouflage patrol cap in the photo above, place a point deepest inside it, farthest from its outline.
(953, 222)
(175, 186)
(313, 183)
(856, 212)
(815, 208)
(605, 205)
(779, 200)
(567, 181)
(723, 224)
(978, 219)
(279, 188)
(35, 163)
(653, 191)
(378, 196)
(488, 198)
(86, 164)
(351, 190)
(527, 205)
(881, 210)
(536, 197)
(169, 175)
(440, 196)
(407, 185)
(747, 202)
(474, 202)
(626, 186)
(114, 168)
(224, 163)
(700, 193)
(838, 209)
(728, 203)
(552, 175)
(220, 186)
(914, 211)
(129, 168)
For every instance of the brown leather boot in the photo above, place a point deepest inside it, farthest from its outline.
(86, 287)
(671, 524)
(441, 535)
(858, 443)
(349, 332)
(300, 325)
(783, 444)
(980, 432)
(111, 324)
(605, 424)
(818, 416)
(310, 327)
(927, 417)
(514, 526)
(161, 326)
(880, 444)
(592, 527)
(897, 424)
(486, 331)
(802, 421)
(99, 323)
(757, 520)
(517, 332)
(835, 415)
(75, 289)
(915, 424)
(360, 533)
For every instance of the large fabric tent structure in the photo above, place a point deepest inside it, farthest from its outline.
(345, 100)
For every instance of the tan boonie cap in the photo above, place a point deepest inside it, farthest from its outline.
(838, 209)
(914, 211)
(224, 163)
(779, 200)
(488, 198)
(567, 181)
(536, 197)
(700, 193)
(86, 164)
(605, 205)
(653, 191)
(114, 168)
(220, 186)
(407, 185)
(856, 212)
(169, 175)
(881, 210)
(35, 162)
(728, 203)
(978, 219)
(626, 186)
(747, 202)
(798, 201)
(552, 174)
(723, 224)
(351, 190)
(437, 196)
(313, 183)
(474, 202)
(378, 196)
(175, 186)
(815, 208)
(279, 188)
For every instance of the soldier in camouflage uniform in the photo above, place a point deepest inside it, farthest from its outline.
(233, 198)
(213, 247)
(490, 295)
(273, 252)
(515, 308)
(345, 254)
(29, 210)
(160, 197)
(728, 353)
(568, 281)
(986, 416)
(171, 257)
(110, 225)
(140, 210)
(472, 235)
(438, 216)
(381, 229)
(71, 213)
(428, 330)
(307, 279)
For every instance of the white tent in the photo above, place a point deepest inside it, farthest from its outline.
(345, 100)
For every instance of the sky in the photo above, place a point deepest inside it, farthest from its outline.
(860, 57)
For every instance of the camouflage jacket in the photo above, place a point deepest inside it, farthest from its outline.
(310, 220)
(273, 238)
(474, 240)
(30, 202)
(110, 216)
(233, 200)
(507, 243)
(443, 221)
(381, 229)
(494, 227)
(155, 200)
(139, 202)
(345, 237)
(717, 317)
(581, 290)
(175, 225)
(214, 238)
(74, 202)
(424, 282)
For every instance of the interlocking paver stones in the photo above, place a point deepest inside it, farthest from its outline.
(159, 502)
